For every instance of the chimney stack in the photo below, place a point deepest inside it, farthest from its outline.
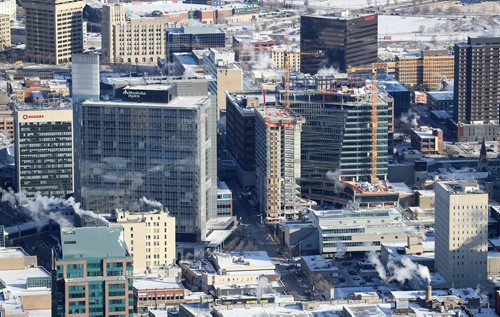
(428, 293)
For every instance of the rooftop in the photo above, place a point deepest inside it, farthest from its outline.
(12, 253)
(275, 115)
(461, 187)
(195, 29)
(243, 261)
(93, 242)
(319, 263)
(187, 102)
(149, 284)
(16, 280)
(441, 95)
(370, 188)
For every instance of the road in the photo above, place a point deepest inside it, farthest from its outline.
(263, 240)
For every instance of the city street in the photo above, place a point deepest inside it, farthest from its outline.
(263, 240)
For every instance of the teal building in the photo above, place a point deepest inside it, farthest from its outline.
(92, 273)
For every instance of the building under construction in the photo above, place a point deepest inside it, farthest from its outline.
(277, 162)
(336, 138)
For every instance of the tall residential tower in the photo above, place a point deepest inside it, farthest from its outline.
(477, 89)
(277, 160)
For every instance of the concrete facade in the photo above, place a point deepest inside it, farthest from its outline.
(461, 233)
(150, 238)
(5, 37)
(44, 151)
(8, 7)
(277, 162)
(136, 40)
(54, 30)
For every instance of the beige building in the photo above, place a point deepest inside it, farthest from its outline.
(220, 63)
(277, 162)
(278, 57)
(461, 233)
(429, 69)
(6, 121)
(150, 238)
(437, 66)
(132, 39)
(54, 30)
(5, 39)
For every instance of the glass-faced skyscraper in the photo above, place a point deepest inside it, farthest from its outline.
(164, 151)
(337, 40)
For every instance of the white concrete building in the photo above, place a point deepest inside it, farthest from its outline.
(461, 233)
(345, 230)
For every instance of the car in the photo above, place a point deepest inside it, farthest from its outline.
(341, 280)
(351, 272)
(356, 278)
(346, 264)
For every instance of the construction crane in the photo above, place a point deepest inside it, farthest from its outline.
(374, 117)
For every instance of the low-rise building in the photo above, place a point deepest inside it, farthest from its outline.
(150, 237)
(349, 230)
(224, 200)
(427, 140)
(440, 100)
(151, 293)
(236, 268)
(316, 264)
(25, 287)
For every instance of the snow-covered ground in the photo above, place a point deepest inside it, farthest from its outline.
(346, 4)
(433, 31)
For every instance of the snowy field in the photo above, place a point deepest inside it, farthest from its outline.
(346, 4)
(433, 31)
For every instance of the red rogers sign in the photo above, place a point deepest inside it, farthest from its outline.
(370, 18)
(32, 116)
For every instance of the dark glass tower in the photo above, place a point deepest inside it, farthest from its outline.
(337, 40)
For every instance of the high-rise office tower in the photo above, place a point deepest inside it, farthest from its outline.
(53, 29)
(339, 40)
(92, 273)
(277, 160)
(44, 151)
(477, 89)
(461, 233)
(158, 142)
(336, 136)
